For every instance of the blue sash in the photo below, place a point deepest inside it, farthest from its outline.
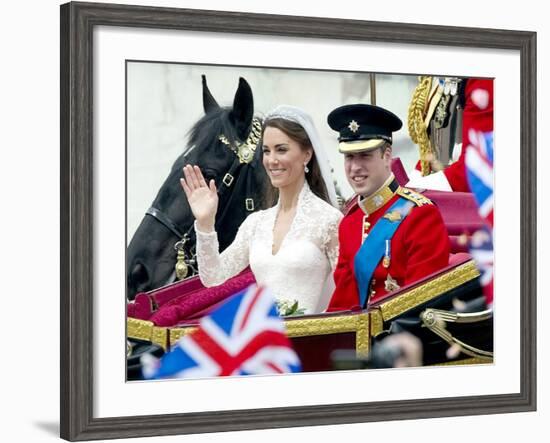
(373, 248)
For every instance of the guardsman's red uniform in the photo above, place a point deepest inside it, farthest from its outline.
(419, 246)
(478, 115)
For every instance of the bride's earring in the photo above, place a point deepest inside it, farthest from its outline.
(306, 169)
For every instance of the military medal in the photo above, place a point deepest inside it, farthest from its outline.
(386, 260)
(390, 284)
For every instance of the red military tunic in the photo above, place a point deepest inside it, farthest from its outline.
(419, 247)
(478, 115)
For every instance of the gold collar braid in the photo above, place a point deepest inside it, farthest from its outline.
(379, 198)
(245, 150)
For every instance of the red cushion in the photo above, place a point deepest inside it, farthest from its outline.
(146, 304)
(187, 304)
(142, 307)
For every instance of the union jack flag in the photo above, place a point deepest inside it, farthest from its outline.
(243, 336)
(479, 171)
(481, 249)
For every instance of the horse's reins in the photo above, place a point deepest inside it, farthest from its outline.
(244, 155)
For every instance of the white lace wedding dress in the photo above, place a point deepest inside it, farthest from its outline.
(301, 269)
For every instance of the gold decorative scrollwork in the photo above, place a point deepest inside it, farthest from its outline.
(436, 321)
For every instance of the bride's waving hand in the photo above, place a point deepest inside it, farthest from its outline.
(202, 197)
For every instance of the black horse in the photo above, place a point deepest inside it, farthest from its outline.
(223, 144)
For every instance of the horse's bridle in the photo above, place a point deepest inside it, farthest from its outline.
(182, 262)
(165, 220)
(244, 154)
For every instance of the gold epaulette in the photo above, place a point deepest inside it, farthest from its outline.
(415, 197)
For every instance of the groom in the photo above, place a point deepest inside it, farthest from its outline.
(391, 236)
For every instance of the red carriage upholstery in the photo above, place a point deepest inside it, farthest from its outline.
(459, 209)
(185, 299)
(146, 303)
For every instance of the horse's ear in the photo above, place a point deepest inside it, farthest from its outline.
(243, 108)
(209, 103)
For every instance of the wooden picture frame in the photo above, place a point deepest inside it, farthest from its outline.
(78, 21)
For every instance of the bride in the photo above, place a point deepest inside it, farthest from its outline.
(292, 247)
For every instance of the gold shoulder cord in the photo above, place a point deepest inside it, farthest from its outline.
(418, 130)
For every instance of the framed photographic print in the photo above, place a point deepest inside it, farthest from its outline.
(134, 83)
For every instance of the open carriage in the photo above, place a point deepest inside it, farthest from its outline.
(426, 308)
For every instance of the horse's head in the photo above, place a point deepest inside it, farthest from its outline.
(222, 144)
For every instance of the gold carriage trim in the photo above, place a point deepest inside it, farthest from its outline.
(427, 291)
(174, 334)
(362, 336)
(139, 329)
(296, 327)
(358, 323)
(146, 330)
(376, 322)
(465, 361)
(159, 336)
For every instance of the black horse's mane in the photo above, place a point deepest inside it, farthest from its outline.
(204, 135)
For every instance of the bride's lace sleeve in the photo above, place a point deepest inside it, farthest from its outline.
(330, 240)
(216, 268)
